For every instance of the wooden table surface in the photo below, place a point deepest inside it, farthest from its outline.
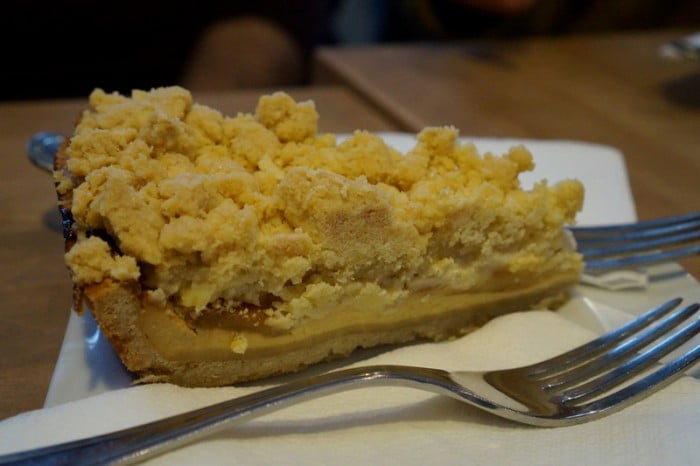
(34, 283)
(610, 89)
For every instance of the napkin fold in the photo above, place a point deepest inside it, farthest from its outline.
(390, 425)
(617, 280)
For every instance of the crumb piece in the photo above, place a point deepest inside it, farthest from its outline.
(239, 344)
(92, 261)
(156, 298)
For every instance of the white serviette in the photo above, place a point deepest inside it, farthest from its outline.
(617, 280)
(399, 425)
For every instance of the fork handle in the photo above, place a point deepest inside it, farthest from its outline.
(143, 441)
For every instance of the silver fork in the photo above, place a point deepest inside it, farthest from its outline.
(589, 382)
(639, 243)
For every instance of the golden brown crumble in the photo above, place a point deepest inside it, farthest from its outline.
(260, 209)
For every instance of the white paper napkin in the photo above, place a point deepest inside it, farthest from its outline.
(399, 425)
(617, 280)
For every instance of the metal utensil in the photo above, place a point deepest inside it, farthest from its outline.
(587, 383)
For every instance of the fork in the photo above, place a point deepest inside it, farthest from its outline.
(628, 245)
(586, 383)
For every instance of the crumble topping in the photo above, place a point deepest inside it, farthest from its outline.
(261, 210)
(94, 262)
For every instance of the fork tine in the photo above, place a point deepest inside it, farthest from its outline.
(625, 350)
(632, 367)
(640, 389)
(621, 246)
(643, 259)
(615, 236)
(634, 226)
(635, 246)
(599, 345)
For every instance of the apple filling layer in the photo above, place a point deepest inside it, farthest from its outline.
(434, 314)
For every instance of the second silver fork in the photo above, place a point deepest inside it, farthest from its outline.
(640, 243)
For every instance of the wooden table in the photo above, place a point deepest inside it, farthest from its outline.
(34, 283)
(611, 89)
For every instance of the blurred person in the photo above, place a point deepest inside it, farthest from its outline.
(256, 51)
(242, 53)
(65, 49)
(410, 20)
(61, 49)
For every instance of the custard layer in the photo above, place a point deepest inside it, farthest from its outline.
(433, 315)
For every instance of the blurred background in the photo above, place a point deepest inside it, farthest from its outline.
(65, 49)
